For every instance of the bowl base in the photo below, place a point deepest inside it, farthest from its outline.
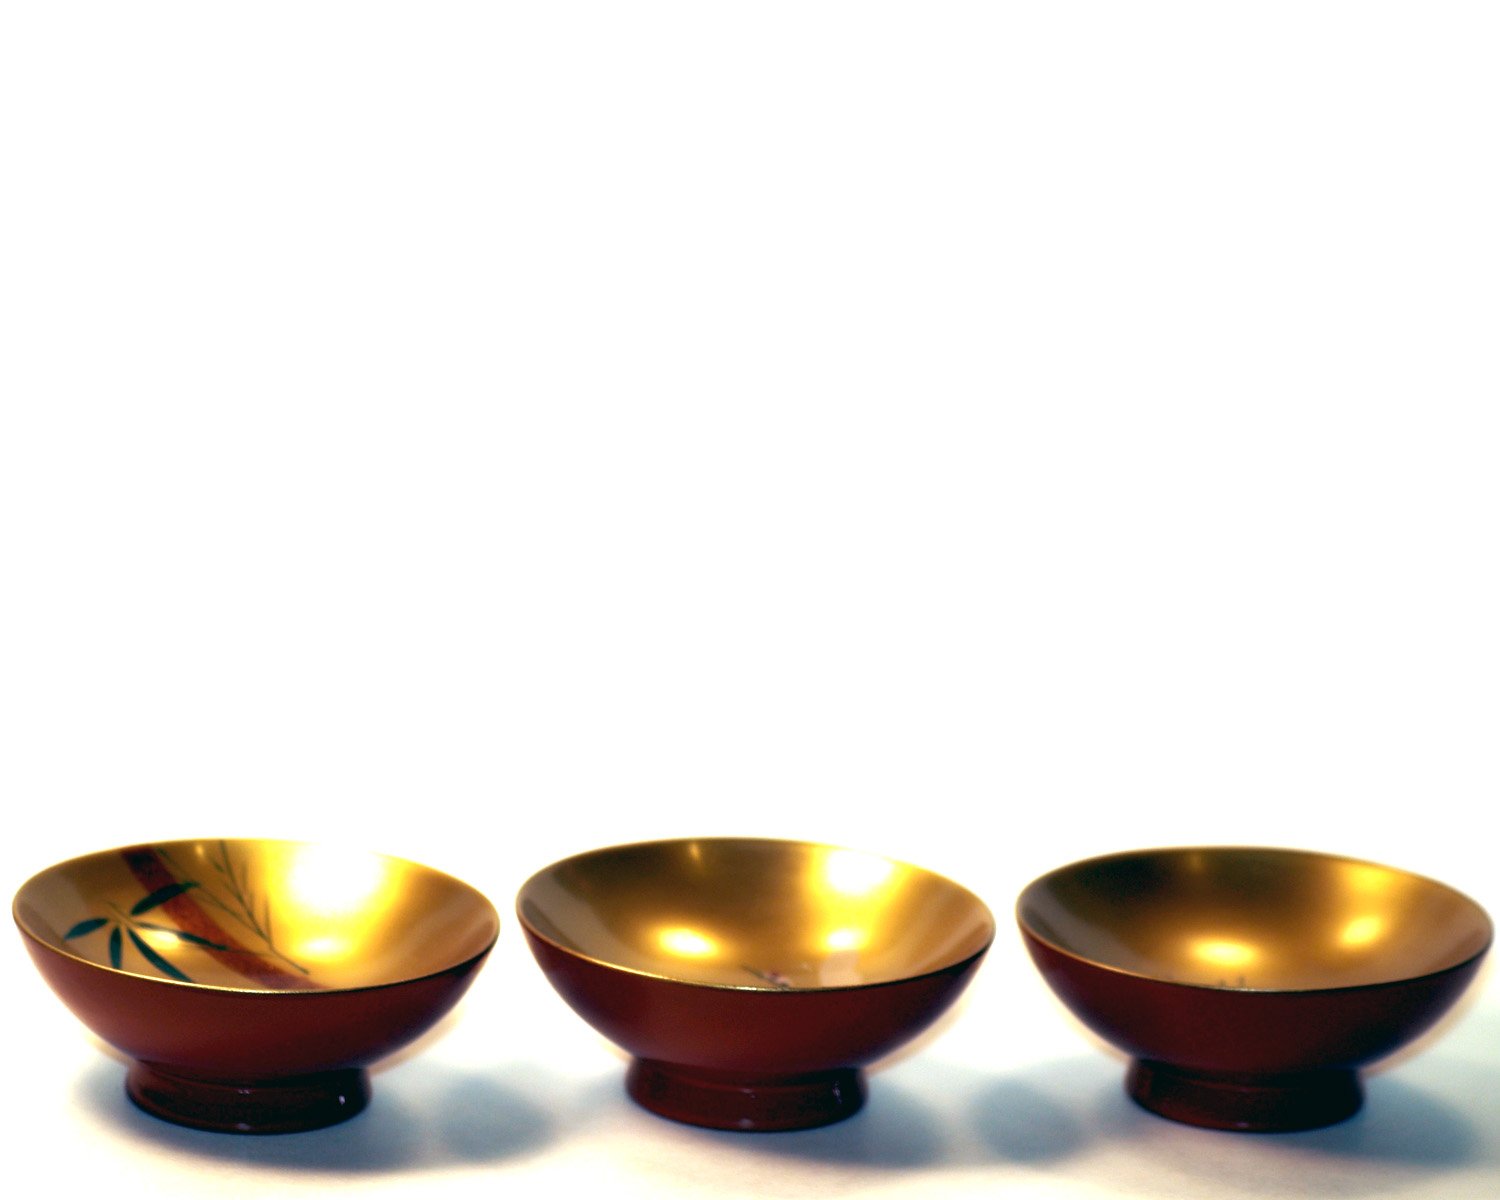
(1250, 1103)
(724, 1100)
(275, 1106)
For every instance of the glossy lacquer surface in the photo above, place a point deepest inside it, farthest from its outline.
(1250, 983)
(253, 980)
(750, 979)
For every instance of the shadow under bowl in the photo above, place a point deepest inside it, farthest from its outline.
(1250, 984)
(750, 980)
(251, 982)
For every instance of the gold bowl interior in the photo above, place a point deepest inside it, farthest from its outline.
(257, 914)
(1261, 919)
(748, 913)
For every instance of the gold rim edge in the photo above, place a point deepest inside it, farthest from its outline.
(1328, 856)
(492, 912)
(955, 965)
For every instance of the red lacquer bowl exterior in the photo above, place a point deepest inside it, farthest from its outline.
(742, 1057)
(1249, 1033)
(251, 1059)
(1242, 1058)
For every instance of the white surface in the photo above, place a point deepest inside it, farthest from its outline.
(986, 434)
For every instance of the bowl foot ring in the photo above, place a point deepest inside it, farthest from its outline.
(718, 1100)
(275, 1106)
(1253, 1104)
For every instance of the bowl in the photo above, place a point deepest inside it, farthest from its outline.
(1249, 985)
(750, 980)
(251, 982)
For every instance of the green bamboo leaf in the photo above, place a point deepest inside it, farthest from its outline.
(155, 959)
(184, 935)
(160, 896)
(84, 927)
(115, 946)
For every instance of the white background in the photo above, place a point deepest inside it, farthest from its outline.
(986, 434)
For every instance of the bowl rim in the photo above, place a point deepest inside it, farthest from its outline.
(765, 989)
(487, 905)
(1288, 851)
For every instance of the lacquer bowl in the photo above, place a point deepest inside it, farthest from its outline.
(1250, 985)
(751, 980)
(251, 982)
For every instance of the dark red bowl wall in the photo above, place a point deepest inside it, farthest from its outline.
(747, 1031)
(1257, 1033)
(248, 1035)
